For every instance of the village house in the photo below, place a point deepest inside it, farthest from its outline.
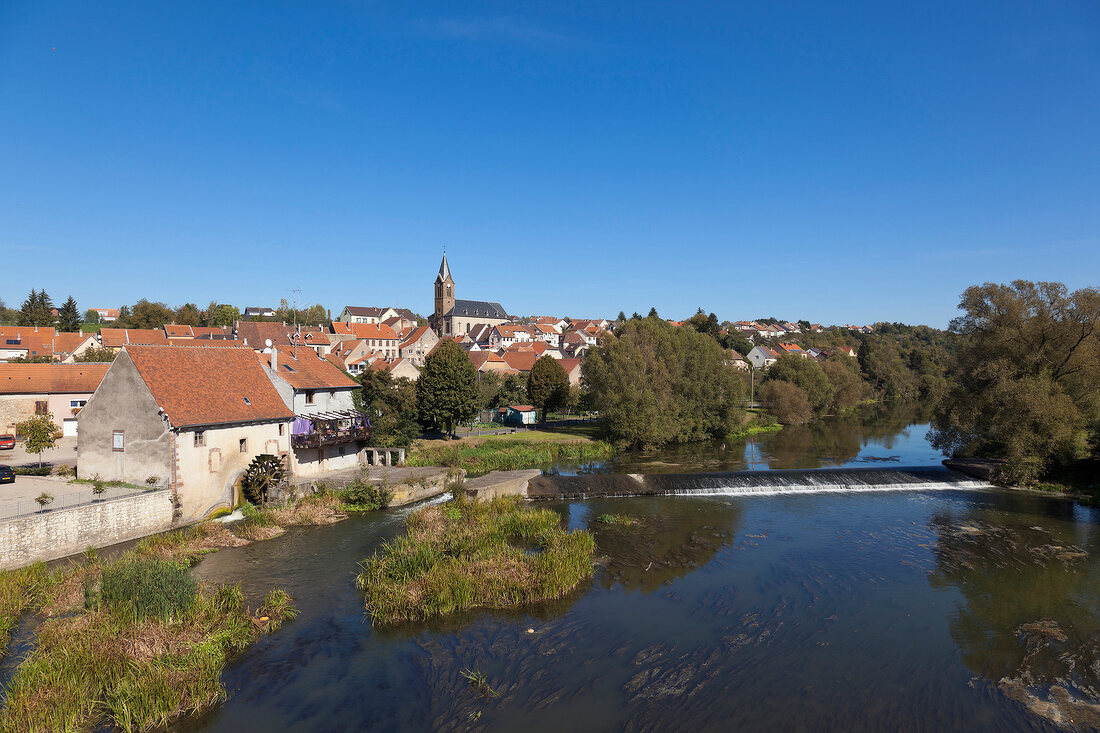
(521, 361)
(508, 334)
(845, 350)
(572, 369)
(191, 419)
(398, 369)
(737, 361)
(107, 315)
(548, 333)
(417, 343)
(353, 356)
(116, 339)
(251, 312)
(328, 433)
(761, 357)
(378, 336)
(60, 390)
(574, 345)
(457, 317)
(489, 361)
(366, 314)
(791, 350)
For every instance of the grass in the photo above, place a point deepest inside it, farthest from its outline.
(132, 644)
(621, 520)
(754, 429)
(462, 555)
(530, 449)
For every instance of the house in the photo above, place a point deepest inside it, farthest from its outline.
(256, 335)
(398, 368)
(737, 361)
(479, 335)
(521, 361)
(548, 333)
(107, 315)
(67, 346)
(846, 350)
(488, 361)
(761, 357)
(815, 353)
(416, 344)
(353, 355)
(378, 336)
(26, 342)
(456, 317)
(558, 323)
(116, 339)
(174, 331)
(574, 345)
(192, 419)
(328, 433)
(572, 369)
(791, 350)
(517, 415)
(252, 311)
(504, 335)
(61, 390)
(364, 314)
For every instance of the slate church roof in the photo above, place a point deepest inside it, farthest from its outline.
(477, 309)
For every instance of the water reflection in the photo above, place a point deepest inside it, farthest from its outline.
(1030, 620)
(891, 433)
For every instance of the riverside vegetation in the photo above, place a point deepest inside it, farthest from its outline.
(136, 642)
(462, 555)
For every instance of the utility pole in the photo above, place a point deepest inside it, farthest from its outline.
(294, 293)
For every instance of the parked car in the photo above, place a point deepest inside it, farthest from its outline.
(7, 442)
(7, 475)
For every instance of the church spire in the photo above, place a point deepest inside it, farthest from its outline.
(444, 269)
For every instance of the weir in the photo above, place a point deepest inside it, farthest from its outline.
(743, 483)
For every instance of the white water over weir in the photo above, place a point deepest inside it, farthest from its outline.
(746, 483)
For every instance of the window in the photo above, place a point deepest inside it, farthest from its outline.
(118, 441)
(309, 396)
(41, 407)
(77, 403)
(200, 438)
(282, 429)
(244, 445)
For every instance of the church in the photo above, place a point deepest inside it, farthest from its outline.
(458, 317)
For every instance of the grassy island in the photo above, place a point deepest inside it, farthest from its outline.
(513, 451)
(464, 554)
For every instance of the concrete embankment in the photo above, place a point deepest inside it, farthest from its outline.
(409, 485)
(980, 468)
(501, 483)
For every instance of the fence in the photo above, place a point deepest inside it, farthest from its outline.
(16, 509)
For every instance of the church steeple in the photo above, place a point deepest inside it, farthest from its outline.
(444, 292)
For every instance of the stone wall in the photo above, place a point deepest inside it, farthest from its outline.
(64, 532)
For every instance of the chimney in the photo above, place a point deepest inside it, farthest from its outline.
(275, 359)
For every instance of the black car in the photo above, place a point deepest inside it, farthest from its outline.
(7, 475)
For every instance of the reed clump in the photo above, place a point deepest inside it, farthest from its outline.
(480, 457)
(464, 554)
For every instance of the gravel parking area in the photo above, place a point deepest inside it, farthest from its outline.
(62, 453)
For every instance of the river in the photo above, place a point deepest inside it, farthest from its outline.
(889, 610)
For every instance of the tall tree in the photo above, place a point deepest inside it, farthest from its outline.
(807, 375)
(225, 315)
(147, 314)
(391, 405)
(91, 316)
(188, 314)
(35, 310)
(547, 385)
(39, 434)
(446, 392)
(68, 316)
(1027, 383)
(655, 384)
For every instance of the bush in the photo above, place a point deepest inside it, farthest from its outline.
(362, 495)
(787, 402)
(144, 588)
(32, 470)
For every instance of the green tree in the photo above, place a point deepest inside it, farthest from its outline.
(91, 316)
(653, 313)
(147, 314)
(96, 355)
(36, 309)
(847, 381)
(391, 406)
(188, 314)
(68, 316)
(786, 401)
(655, 384)
(224, 315)
(621, 318)
(446, 392)
(1026, 386)
(807, 375)
(547, 385)
(39, 434)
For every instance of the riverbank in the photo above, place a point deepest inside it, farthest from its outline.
(135, 642)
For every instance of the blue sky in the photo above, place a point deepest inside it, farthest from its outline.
(840, 164)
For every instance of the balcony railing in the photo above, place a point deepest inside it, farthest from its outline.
(334, 437)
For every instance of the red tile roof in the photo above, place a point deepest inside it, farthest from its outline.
(208, 386)
(65, 343)
(50, 378)
(414, 336)
(37, 340)
(520, 360)
(114, 338)
(309, 371)
(569, 364)
(365, 330)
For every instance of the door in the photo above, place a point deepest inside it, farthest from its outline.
(68, 427)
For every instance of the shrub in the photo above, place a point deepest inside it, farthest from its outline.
(787, 402)
(32, 470)
(145, 588)
(43, 499)
(362, 495)
(66, 470)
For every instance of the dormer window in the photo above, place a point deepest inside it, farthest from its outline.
(247, 401)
